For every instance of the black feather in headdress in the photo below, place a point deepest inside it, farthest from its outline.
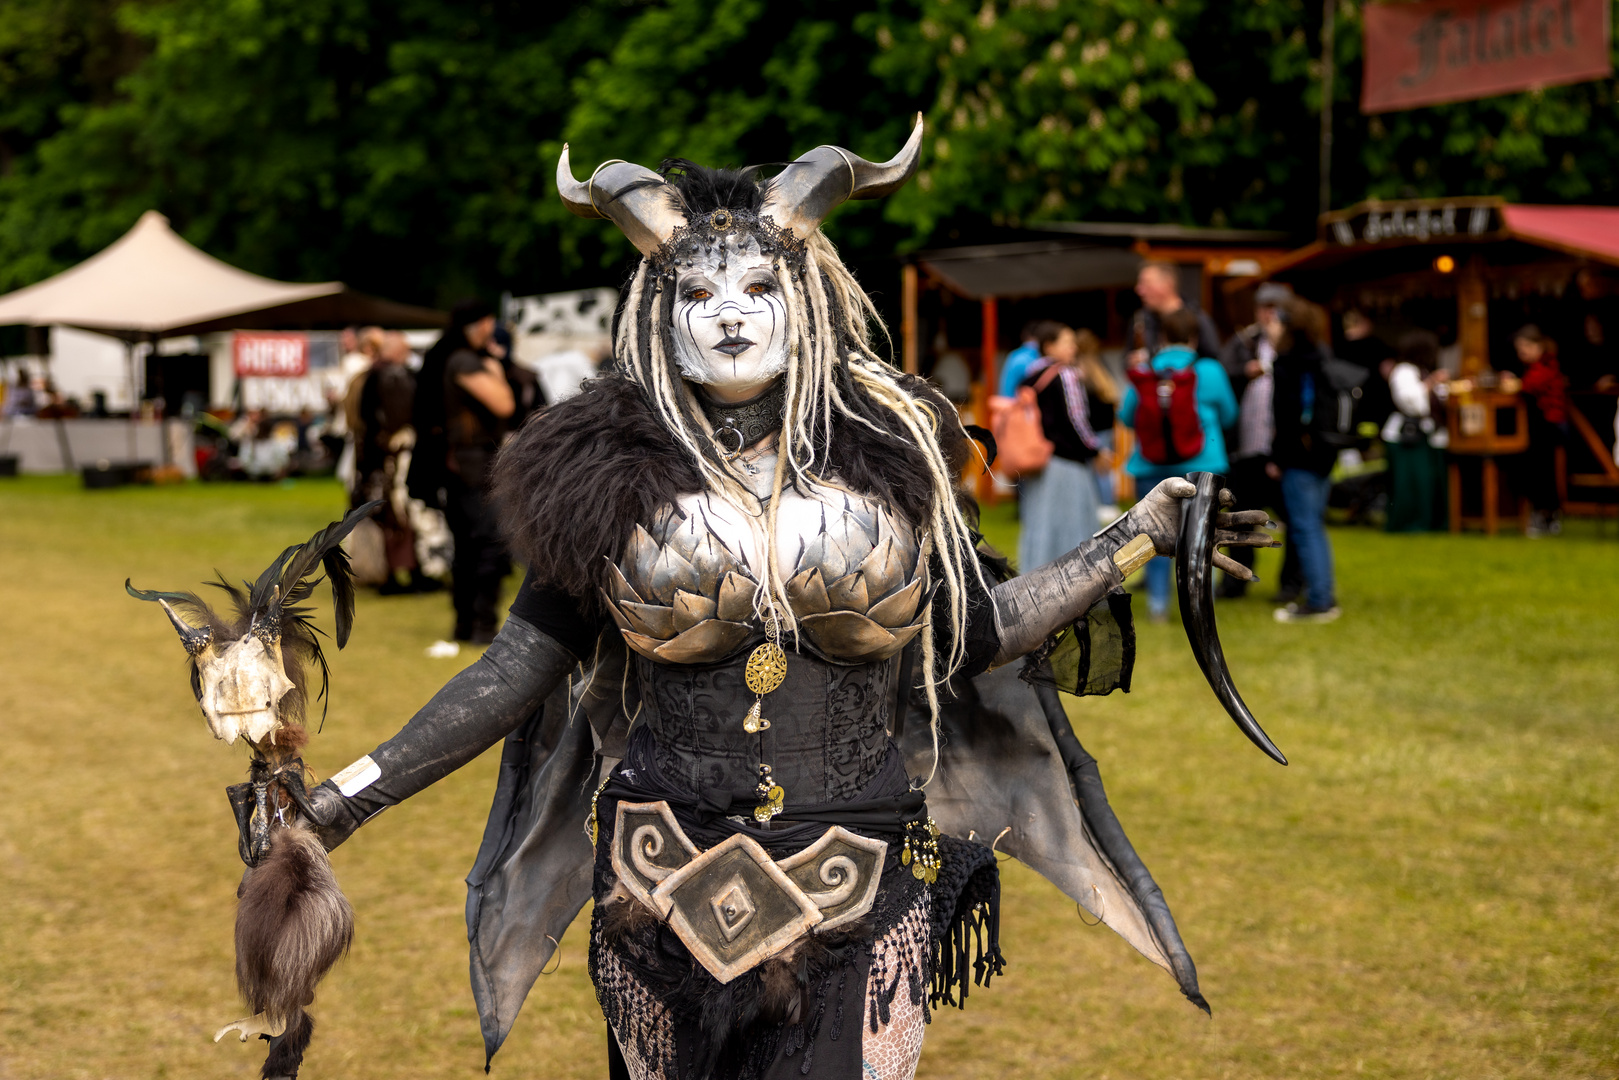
(704, 190)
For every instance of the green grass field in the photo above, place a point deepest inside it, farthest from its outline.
(1427, 891)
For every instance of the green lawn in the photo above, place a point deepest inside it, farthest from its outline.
(1427, 891)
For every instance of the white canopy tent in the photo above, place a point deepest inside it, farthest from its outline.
(152, 284)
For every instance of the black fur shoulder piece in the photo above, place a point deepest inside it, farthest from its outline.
(576, 480)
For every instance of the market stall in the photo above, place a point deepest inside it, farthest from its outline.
(963, 306)
(1474, 271)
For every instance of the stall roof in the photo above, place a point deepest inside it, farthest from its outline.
(1086, 255)
(1382, 228)
(1177, 234)
(1588, 231)
(1033, 268)
(151, 282)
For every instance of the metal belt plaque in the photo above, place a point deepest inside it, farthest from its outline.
(733, 906)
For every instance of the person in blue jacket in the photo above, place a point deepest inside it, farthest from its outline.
(1216, 411)
(1018, 362)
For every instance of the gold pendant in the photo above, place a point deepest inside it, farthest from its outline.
(767, 668)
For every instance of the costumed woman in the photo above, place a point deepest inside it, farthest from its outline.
(755, 601)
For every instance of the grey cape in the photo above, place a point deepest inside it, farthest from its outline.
(1011, 773)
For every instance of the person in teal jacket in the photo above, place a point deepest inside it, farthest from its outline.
(1216, 410)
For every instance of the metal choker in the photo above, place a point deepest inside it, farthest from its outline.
(738, 425)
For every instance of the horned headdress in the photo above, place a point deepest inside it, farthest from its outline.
(650, 210)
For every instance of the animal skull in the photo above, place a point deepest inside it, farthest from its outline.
(242, 688)
(241, 685)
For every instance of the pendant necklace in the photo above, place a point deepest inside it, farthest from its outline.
(766, 669)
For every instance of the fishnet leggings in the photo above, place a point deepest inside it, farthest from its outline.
(892, 1035)
(645, 1033)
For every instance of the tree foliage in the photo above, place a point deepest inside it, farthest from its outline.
(407, 146)
(1057, 110)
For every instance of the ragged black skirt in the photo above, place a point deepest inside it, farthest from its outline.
(848, 1002)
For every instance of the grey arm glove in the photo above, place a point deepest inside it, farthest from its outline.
(1033, 605)
(474, 710)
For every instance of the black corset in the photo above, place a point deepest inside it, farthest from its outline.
(828, 731)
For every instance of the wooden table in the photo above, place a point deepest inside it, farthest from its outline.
(1487, 424)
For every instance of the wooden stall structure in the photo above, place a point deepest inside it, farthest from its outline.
(963, 307)
(1475, 270)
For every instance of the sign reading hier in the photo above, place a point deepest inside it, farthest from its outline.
(283, 356)
(1436, 51)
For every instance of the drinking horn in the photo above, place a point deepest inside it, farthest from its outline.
(1194, 581)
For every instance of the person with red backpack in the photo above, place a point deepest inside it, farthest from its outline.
(1179, 405)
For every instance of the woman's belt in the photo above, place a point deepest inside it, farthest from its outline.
(733, 906)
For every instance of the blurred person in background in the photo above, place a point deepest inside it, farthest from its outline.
(1019, 360)
(380, 422)
(21, 400)
(462, 404)
(1591, 357)
(1545, 391)
(1176, 379)
(1249, 359)
(354, 360)
(1059, 503)
(1414, 437)
(1362, 347)
(1102, 398)
(527, 394)
(1158, 285)
(1301, 461)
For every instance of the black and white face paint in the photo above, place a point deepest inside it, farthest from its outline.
(730, 322)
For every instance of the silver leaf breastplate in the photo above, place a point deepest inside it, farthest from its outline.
(856, 579)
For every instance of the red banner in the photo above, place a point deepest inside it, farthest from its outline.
(1453, 50)
(282, 356)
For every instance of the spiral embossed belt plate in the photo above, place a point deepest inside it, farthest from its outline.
(733, 906)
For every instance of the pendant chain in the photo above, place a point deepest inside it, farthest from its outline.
(766, 670)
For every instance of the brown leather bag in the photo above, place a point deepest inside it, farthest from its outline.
(1022, 448)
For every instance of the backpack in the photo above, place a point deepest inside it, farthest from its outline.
(1022, 448)
(1168, 429)
(1338, 404)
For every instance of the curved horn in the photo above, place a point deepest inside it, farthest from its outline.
(1194, 574)
(196, 639)
(801, 195)
(644, 205)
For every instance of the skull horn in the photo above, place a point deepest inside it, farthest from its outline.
(801, 195)
(195, 639)
(645, 206)
(1194, 574)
